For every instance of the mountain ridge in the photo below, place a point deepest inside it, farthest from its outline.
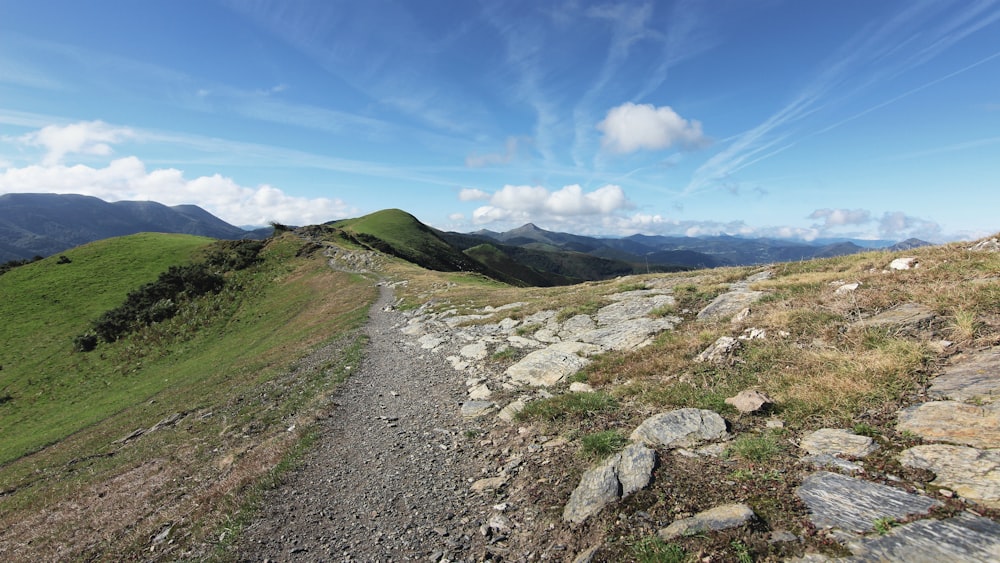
(35, 224)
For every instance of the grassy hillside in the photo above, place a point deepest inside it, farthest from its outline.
(398, 233)
(44, 305)
(170, 427)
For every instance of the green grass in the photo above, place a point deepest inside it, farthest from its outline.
(55, 391)
(228, 363)
(651, 549)
(569, 405)
(758, 448)
(602, 444)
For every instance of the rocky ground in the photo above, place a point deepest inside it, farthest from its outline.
(422, 458)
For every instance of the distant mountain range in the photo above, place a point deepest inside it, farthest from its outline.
(46, 224)
(693, 252)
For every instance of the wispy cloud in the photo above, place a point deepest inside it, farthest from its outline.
(875, 55)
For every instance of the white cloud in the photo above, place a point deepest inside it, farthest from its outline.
(85, 137)
(529, 203)
(841, 217)
(472, 194)
(127, 179)
(631, 127)
(898, 225)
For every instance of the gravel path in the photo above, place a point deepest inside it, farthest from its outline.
(389, 477)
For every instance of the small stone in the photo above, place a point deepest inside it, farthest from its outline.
(580, 387)
(476, 409)
(718, 518)
(508, 413)
(749, 401)
(719, 352)
(903, 263)
(847, 288)
(489, 484)
(480, 392)
(598, 488)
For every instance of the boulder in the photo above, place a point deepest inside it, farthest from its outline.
(615, 478)
(680, 428)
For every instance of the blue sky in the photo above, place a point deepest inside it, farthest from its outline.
(799, 118)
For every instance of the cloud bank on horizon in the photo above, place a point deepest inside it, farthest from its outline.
(782, 119)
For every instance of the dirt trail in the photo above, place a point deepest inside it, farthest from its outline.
(389, 477)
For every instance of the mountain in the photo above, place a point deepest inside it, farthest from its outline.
(46, 224)
(908, 244)
(540, 259)
(659, 251)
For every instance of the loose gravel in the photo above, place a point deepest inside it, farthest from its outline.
(389, 477)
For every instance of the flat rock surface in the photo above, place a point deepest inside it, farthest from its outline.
(552, 364)
(389, 467)
(953, 422)
(972, 377)
(973, 474)
(853, 505)
(837, 442)
(907, 317)
(965, 538)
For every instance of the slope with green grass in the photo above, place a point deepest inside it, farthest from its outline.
(398, 233)
(176, 424)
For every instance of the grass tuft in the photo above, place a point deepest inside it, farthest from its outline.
(602, 444)
(569, 405)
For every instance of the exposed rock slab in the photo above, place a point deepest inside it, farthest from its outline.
(628, 334)
(853, 505)
(988, 245)
(614, 479)
(728, 304)
(680, 428)
(973, 377)
(632, 308)
(954, 422)
(904, 318)
(837, 442)
(718, 518)
(550, 365)
(973, 474)
(966, 538)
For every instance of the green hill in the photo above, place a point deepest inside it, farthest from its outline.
(400, 234)
(203, 399)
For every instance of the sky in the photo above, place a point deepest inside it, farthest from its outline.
(806, 119)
